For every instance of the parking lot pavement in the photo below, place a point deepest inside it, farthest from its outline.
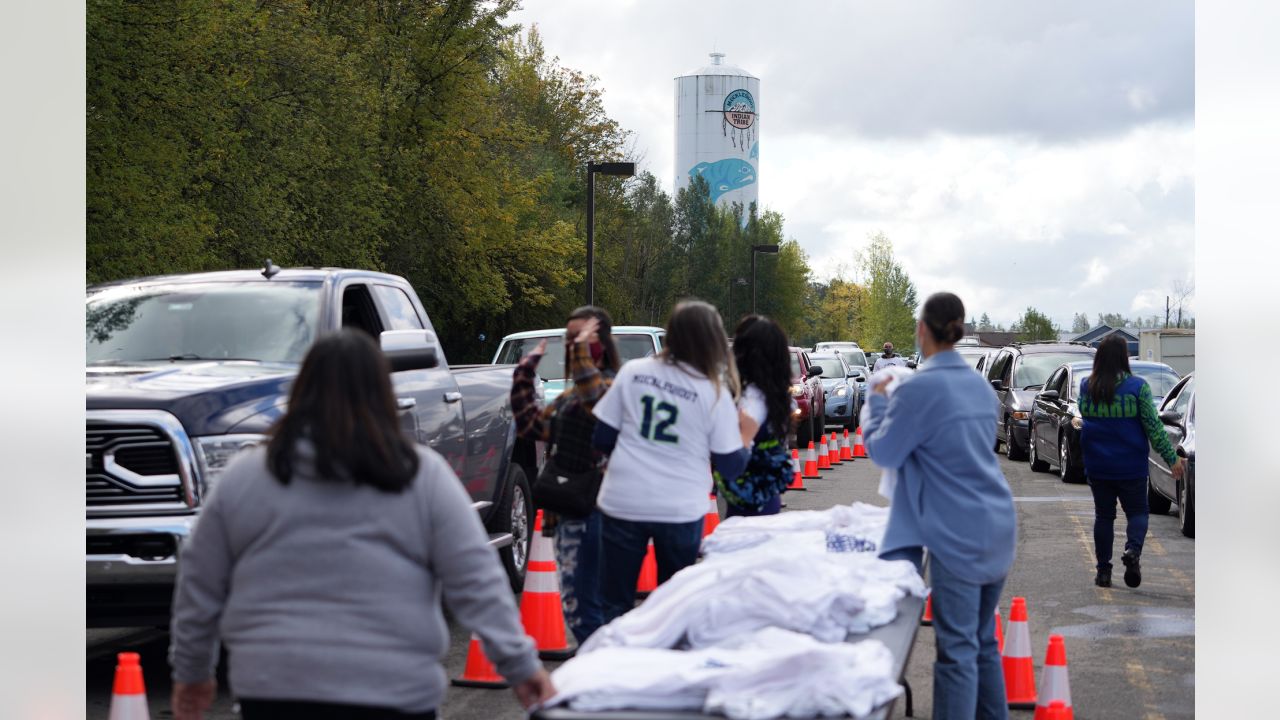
(1131, 653)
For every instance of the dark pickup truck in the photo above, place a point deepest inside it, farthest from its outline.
(183, 371)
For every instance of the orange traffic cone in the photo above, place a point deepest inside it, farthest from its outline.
(846, 450)
(834, 448)
(999, 634)
(824, 455)
(797, 482)
(1057, 711)
(479, 672)
(1019, 674)
(128, 695)
(648, 581)
(540, 608)
(810, 463)
(1054, 686)
(712, 518)
(927, 618)
(858, 450)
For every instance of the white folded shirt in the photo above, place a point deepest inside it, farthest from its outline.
(896, 374)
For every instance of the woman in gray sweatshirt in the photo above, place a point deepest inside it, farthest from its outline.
(321, 559)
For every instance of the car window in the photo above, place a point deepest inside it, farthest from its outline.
(1160, 379)
(795, 365)
(1034, 368)
(632, 347)
(550, 367)
(831, 367)
(855, 358)
(1006, 370)
(398, 308)
(1055, 380)
(1184, 397)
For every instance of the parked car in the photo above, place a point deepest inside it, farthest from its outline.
(184, 371)
(634, 341)
(857, 361)
(806, 390)
(1178, 415)
(872, 357)
(840, 389)
(1052, 436)
(974, 355)
(836, 346)
(1017, 372)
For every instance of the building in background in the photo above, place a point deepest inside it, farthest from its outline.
(718, 131)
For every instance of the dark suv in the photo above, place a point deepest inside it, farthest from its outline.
(1016, 372)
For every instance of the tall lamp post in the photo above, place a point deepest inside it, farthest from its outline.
(623, 169)
(772, 249)
(729, 310)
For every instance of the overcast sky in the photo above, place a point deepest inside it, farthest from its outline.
(1017, 153)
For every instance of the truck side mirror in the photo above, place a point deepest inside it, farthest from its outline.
(1171, 417)
(814, 371)
(997, 384)
(410, 349)
(1049, 395)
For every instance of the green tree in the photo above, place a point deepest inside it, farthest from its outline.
(890, 304)
(1080, 323)
(984, 323)
(1034, 325)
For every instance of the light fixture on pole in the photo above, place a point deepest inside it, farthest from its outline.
(772, 249)
(728, 311)
(623, 169)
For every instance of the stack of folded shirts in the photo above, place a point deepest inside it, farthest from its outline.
(844, 528)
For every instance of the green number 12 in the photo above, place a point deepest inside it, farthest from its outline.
(668, 412)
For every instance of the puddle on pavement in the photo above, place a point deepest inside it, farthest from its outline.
(1131, 621)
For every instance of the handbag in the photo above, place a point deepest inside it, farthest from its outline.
(570, 479)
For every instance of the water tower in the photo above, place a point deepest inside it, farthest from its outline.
(718, 131)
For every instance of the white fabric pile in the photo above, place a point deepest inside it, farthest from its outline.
(803, 530)
(769, 673)
(896, 375)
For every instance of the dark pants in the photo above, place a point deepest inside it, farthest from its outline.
(578, 559)
(675, 547)
(773, 507)
(298, 710)
(1132, 495)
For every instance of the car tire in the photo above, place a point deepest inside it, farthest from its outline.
(1012, 451)
(1186, 508)
(1037, 465)
(804, 433)
(1157, 503)
(514, 515)
(1068, 472)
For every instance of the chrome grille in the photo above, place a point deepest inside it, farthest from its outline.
(129, 465)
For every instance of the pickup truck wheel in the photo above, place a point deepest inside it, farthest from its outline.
(515, 515)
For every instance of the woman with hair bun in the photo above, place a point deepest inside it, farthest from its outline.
(937, 431)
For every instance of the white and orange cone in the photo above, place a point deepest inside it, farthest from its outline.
(1019, 673)
(834, 449)
(479, 672)
(846, 450)
(999, 634)
(858, 450)
(712, 519)
(810, 464)
(648, 580)
(128, 693)
(797, 481)
(1054, 685)
(824, 455)
(927, 617)
(540, 608)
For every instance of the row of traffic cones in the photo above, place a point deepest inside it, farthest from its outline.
(1053, 701)
(825, 456)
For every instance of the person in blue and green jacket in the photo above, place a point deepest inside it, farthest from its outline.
(1118, 419)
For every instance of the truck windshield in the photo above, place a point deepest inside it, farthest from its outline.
(270, 322)
(551, 367)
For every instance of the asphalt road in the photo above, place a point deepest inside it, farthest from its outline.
(1131, 653)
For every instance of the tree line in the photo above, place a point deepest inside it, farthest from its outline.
(435, 140)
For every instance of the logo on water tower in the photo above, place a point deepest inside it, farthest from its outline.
(740, 109)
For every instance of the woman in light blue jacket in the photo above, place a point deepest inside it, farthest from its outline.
(937, 432)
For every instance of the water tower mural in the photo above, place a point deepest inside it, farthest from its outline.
(718, 131)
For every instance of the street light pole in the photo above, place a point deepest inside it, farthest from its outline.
(729, 310)
(623, 169)
(772, 249)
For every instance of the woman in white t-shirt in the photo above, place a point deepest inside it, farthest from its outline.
(665, 422)
(764, 366)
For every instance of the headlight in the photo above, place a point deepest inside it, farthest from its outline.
(214, 452)
(1017, 415)
(797, 390)
(842, 391)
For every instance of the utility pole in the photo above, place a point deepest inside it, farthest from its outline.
(1166, 312)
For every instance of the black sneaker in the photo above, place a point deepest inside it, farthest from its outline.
(1132, 569)
(1103, 578)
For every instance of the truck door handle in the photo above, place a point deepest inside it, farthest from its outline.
(452, 396)
(406, 403)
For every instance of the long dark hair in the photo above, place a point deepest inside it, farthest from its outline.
(1111, 360)
(760, 348)
(695, 336)
(611, 360)
(943, 315)
(342, 402)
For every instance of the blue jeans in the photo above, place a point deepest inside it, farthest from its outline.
(675, 547)
(1133, 498)
(968, 680)
(578, 559)
(772, 507)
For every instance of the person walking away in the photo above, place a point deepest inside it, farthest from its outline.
(1118, 419)
(592, 364)
(764, 367)
(320, 561)
(665, 422)
(936, 432)
(887, 358)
